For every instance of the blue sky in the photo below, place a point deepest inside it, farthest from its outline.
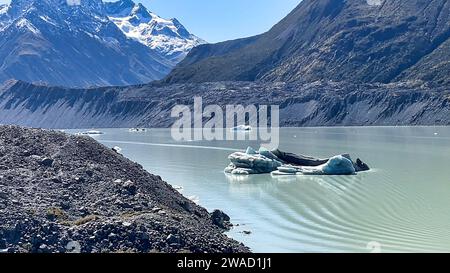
(219, 20)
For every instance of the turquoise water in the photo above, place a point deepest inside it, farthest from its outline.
(402, 205)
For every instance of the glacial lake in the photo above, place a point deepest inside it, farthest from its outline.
(401, 205)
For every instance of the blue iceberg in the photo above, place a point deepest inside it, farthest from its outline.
(280, 163)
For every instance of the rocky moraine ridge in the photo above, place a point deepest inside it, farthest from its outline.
(61, 193)
(319, 103)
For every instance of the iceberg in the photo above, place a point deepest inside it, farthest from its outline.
(283, 164)
(337, 165)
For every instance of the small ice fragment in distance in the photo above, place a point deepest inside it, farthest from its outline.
(194, 199)
(137, 130)
(242, 128)
(117, 149)
(436, 134)
(178, 188)
(89, 133)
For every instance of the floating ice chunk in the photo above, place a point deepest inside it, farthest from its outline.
(230, 168)
(242, 128)
(137, 130)
(288, 169)
(194, 199)
(89, 133)
(245, 164)
(117, 149)
(338, 165)
(243, 171)
(251, 151)
(180, 189)
(265, 161)
(282, 173)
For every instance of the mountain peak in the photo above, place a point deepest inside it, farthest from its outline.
(167, 36)
(88, 42)
(72, 43)
(382, 41)
(120, 8)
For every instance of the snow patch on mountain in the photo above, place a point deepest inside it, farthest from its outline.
(166, 36)
(25, 24)
(3, 16)
(3, 9)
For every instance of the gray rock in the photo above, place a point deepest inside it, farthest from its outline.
(47, 162)
(130, 186)
(221, 219)
(173, 239)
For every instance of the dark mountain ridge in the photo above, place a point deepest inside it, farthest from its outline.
(301, 104)
(341, 40)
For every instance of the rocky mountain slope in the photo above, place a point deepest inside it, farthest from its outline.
(301, 104)
(61, 193)
(76, 44)
(168, 37)
(342, 40)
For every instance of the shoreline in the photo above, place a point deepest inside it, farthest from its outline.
(284, 127)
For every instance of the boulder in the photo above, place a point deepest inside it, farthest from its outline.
(47, 162)
(221, 219)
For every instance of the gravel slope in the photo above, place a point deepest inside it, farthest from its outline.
(61, 193)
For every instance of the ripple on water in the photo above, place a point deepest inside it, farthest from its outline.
(401, 204)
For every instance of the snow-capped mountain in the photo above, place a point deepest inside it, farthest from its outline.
(167, 36)
(75, 43)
